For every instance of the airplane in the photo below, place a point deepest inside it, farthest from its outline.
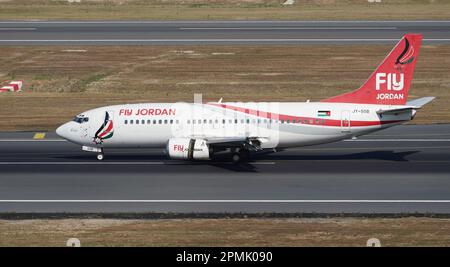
(198, 131)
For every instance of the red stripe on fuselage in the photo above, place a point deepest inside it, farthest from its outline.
(327, 122)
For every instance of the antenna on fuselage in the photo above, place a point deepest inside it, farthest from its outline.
(220, 101)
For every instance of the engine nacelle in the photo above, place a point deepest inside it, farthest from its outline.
(187, 148)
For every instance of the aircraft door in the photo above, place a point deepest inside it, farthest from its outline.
(345, 121)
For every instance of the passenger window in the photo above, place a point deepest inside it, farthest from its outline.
(126, 121)
(143, 122)
(154, 121)
(235, 121)
(131, 121)
(160, 121)
(149, 122)
(248, 121)
(199, 121)
(171, 121)
(165, 121)
(188, 121)
(137, 121)
(223, 121)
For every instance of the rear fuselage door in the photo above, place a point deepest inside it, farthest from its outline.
(345, 121)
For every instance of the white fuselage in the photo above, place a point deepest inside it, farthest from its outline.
(275, 124)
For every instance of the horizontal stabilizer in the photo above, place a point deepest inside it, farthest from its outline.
(420, 102)
(410, 105)
(394, 110)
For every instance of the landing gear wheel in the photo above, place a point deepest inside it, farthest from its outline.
(236, 158)
(100, 156)
(240, 156)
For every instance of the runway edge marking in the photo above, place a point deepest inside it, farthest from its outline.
(223, 201)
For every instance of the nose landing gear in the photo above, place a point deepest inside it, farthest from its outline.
(100, 156)
(99, 150)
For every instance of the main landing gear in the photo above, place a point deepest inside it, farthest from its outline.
(240, 155)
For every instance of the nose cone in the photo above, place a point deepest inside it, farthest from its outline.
(63, 131)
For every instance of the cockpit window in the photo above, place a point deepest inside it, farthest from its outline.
(80, 119)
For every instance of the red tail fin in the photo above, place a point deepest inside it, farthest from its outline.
(390, 82)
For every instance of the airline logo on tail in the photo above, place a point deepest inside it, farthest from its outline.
(394, 81)
(105, 131)
(390, 82)
(406, 56)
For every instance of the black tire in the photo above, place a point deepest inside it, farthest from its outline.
(241, 156)
(236, 157)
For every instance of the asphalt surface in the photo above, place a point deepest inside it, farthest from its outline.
(216, 32)
(405, 169)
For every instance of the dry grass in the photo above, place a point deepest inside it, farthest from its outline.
(227, 232)
(225, 9)
(63, 81)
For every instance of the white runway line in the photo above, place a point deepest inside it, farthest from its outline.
(17, 29)
(224, 21)
(288, 28)
(206, 40)
(33, 140)
(397, 140)
(390, 201)
(124, 163)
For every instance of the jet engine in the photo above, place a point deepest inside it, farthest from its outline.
(187, 148)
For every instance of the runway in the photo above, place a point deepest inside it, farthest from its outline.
(217, 32)
(405, 169)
